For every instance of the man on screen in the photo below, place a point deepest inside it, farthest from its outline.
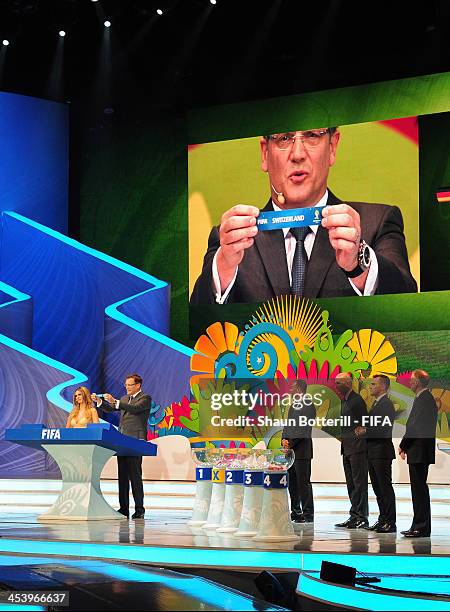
(359, 248)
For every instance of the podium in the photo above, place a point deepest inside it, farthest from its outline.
(81, 455)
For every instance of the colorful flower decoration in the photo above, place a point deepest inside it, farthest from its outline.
(314, 375)
(287, 338)
(299, 318)
(442, 397)
(405, 379)
(156, 414)
(218, 341)
(174, 412)
(317, 380)
(338, 354)
(373, 347)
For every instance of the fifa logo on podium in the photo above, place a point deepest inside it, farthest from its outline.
(51, 434)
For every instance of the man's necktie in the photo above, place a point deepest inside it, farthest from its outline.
(130, 398)
(300, 260)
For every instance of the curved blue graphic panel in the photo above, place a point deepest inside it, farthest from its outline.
(16, 314)
(72, 288)
(30, 387)
(69, 315)
(90, 312)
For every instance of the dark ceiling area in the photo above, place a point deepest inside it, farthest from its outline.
(197, 54)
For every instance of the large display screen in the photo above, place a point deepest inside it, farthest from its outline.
(368, 173)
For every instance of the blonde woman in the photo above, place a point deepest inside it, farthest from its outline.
(82, 412)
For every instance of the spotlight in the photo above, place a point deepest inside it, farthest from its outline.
(213, 1)
(107, 24)
(159, 11)
(5, 43)
(62, 33)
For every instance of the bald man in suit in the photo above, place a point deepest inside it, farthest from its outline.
(418, 446)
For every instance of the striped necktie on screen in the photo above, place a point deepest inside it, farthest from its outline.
(300, 260)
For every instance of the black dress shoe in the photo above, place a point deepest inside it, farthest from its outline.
(407, 531)
(308, 518)
(138, 515)
(345, 523)
(304, 518)
(375, 526)
(387, 528)
(358, 524)
(124, 512)
(295, 515)
(416, 533)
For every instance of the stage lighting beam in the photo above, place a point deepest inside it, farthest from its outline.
(54, 89)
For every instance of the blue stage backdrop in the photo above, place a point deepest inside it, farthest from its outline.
(34, 159)
(69, 315)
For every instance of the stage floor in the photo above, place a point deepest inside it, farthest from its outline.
(165, 538)
(162, 530)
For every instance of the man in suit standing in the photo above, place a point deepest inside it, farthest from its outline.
(354, 452)
(134, 412)
(381, 452)
(418, 447)
(298, 438)
(359, 248)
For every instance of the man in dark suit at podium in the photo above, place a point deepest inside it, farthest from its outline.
(134, 412)
(354, 452)
(418, 447)
(380, 453)
(298, 438)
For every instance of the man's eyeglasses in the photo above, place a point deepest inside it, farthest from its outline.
(310, 138)
(130, 384)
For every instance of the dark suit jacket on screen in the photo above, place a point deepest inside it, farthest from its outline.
(263, 272)
(419, 441)
(133, 415)
(379, 437)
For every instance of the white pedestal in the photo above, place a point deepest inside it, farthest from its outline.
(275, 524)
(234, 498)
(251, 512)
(216, 506)
(80, 498)
(201, 503)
